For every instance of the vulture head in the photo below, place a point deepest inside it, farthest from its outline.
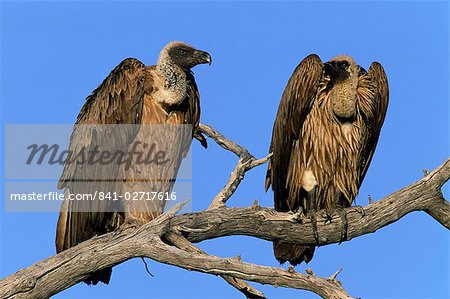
(340, 69)
(183, 55)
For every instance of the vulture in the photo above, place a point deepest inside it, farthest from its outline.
(324, 136)
(116, 117)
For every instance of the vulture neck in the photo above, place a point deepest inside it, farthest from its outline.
(344, 99)
(174, 82)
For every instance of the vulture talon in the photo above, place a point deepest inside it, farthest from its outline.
(299, 216)
(328, 217)
(201, 138)
(360, 210)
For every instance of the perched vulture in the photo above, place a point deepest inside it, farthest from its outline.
(324, 136)
(138, 95)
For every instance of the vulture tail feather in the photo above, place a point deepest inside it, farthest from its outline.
(99, 276)
(294, 254)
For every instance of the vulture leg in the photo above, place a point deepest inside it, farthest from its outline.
(343, 215)
(311, 209)
(339, 207)
(344, 226)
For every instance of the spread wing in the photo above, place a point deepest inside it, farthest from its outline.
(379, 105)
(296, 102)
(118, 100)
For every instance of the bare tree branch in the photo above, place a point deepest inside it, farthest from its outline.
(235, 179)
(181, 242)
(440, 211)
(246, 162)
(69, 267)
(265, 223)
(224, 142)
(326, 288)
(72, 266)
(59, 272)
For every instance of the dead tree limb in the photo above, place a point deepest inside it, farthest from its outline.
(59, 272)
(246, 162)
(265, 223)
(69, 267)
(181, 242)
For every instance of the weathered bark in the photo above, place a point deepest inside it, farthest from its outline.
(153, 240)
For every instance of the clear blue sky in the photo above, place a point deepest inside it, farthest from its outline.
(54, 54)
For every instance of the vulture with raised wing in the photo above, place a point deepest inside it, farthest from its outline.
(324, 136)
(113, 117)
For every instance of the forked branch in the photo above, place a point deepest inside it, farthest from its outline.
(153, 240)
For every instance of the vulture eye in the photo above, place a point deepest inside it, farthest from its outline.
(182, 51)
(345, 64)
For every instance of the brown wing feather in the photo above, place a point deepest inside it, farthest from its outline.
(175, 140)
(380, 104)
(190, 111)
(295, 104)
(118, 100)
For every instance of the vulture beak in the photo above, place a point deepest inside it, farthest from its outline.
(329, 68)
(203, 57)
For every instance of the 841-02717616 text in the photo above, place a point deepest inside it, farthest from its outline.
(97, 195)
